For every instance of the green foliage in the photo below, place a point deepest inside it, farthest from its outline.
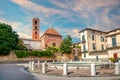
(65, 47)
(77, 47)
(52, 49)
(23, 53)
(8, 39)
(20, 45)
(112, 59)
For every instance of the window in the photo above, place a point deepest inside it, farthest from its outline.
(93, 37)
(102, 38)
(35, 27)
(93, 46)
(54, 44)
(114, 41)
(35, 33)
(83, 37)
(35, 22)
(102, 47)
(84, 48)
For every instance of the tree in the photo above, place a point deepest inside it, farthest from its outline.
(66, 44)
(8, 39)
(20, 45)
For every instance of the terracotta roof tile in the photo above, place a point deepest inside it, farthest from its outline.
(51, 31)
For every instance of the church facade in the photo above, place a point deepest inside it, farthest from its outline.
(50, 38)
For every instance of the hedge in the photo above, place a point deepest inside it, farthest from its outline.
(23, 53)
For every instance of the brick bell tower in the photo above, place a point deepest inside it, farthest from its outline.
(35, 29)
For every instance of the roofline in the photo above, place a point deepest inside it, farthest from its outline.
(92, 30)
(50, 34)
(99, 30)
(114, 30)
(29, 39)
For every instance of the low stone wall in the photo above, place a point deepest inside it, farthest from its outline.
(13, 58)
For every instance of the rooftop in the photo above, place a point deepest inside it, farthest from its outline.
(99, 30)
(51, 31)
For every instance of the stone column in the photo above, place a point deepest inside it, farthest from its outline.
(118, 61)
(43, 68)
(32, 66)
(38, 64)
(65, 69)
(100, 61)
(53, 61)
(93, 73)
(116, 68)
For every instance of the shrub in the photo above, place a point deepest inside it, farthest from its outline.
(23, 53)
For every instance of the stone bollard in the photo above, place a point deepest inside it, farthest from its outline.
(118, 61)
(38, 64)
(116, 68)
(53, 61)
(90, 61)
(43, 68)
(62, 61)
(80, 61)
(65, 69)
(100, 61)
(32, 66)
(93, 73)
(45, 62)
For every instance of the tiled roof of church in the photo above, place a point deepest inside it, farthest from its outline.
(51, 31)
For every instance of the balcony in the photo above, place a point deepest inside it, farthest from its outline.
(98, 52)
(116, 46)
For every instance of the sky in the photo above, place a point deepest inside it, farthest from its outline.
(68, 17)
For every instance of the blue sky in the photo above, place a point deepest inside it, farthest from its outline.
(66, 16)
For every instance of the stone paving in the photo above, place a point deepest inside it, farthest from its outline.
(49, 77)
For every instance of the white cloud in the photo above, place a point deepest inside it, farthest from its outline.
(73, 32)
(91, 5)
(23, 35)
(30, 6)
(14, 25)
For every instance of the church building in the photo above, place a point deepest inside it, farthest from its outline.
(50, 38)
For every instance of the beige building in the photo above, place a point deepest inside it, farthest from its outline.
(95, 43)
(113, 43)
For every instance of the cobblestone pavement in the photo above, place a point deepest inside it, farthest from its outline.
(49, 77)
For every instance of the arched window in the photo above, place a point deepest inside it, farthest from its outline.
(35, 22)
(35, 33)
(35, 27)
(53, 44)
